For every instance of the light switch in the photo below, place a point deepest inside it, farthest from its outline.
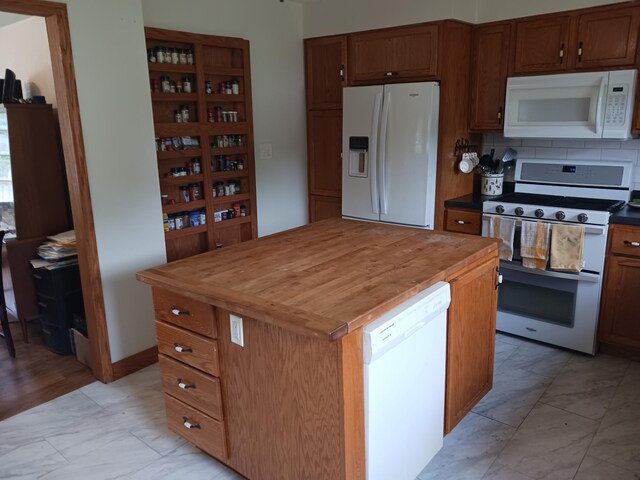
(266, 151)
(237, 332)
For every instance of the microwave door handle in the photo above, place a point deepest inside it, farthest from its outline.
(600, 114)
(373, 156)
(585, 277)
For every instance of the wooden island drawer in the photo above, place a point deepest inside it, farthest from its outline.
(203, 431)
(187, 347)
(184, 312)
(192, 387)
(625, 240)
(463, 221)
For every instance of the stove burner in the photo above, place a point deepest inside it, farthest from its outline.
(562, 202)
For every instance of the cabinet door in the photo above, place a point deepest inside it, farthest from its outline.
(325, 67)
(321, 208)
(488, 77)
(325, 149)
(541, 45)
(619, 319)
(607, 39)
(405, 52)
(470, 340)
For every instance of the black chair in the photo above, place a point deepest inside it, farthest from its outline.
(4, 317)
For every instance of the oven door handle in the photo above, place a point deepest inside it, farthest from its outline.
(588, 229)
(578, 277)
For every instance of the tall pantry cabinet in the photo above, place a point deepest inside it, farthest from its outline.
(325, 60)
(203, 121)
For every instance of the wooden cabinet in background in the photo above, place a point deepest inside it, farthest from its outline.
(223, 142)
(471, 329)
(606, 38)
(394, 54)
(588, 39)
(619, 320)
(321, 208)
(541, 44)
(488, 76)
(325, 64)
(463, 221)
(325, 67)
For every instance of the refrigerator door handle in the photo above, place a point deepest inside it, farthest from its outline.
(373, 155)
(382, 160)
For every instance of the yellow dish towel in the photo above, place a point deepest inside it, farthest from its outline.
(534, 244)
(567, 245)
(503, 228)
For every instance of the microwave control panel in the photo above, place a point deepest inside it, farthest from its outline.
(616, 109)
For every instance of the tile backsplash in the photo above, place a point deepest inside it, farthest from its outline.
(569, 150)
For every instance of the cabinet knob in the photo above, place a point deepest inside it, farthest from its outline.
(461, 222)
(342, 72)
(185, 386)
(180, 349)
(500, 115)
(631, 244)
(189, 425)
(177, 312)
(562, 53)
(391, 74)
(580, 52)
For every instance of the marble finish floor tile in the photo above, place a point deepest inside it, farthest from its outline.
(510, 339)
(586, 385)
(185, 462)
(514, 394)
(538, 359)
(594, 469)
(30, 461)
(500, 472)
(550, 444)
(468, 450)
(503, 351)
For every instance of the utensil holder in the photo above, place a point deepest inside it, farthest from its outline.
(491, 183)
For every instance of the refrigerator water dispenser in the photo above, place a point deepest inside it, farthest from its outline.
(358, 156)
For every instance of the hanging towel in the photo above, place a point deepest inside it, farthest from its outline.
(534, 244)
(503, 228)
(567, 245)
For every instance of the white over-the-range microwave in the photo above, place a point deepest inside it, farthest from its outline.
(572, 105)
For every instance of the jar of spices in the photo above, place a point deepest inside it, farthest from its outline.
(240, 165)
(228, 89)
(155, 86)
(235, 87)
(179, 172)
(172, 222)
(166, 84)
(196, 166)
(227, 191)
(184, 110)
(165, 222)
(210, 115)
(160, 54)
(179, 87)
(208, 88)
(165, 199)
(236, 209)
(172, 87)
(179, 224)
(177, 116)
(185, 219)
(183, 57)
(189, 57)
(219, 189)
(194, 218)
(175, 56)
(151, 55)
(243, 210)
(194, 192)
(185, 197)
(203, 217)
(186, 84)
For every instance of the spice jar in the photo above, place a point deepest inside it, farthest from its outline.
(179, 224)
(151, 55)
(236, 209)
(243, 210)
(184, 110)
(171, 222)
(189, 57)
(177, 116)
(196, 166)
(194, 218)
(235, 87)
(182, 56)
(186, 84)
(161, 54)
(203, 217)
(166, 84)
(194, 192)
(208, 88)
(175, 56)
(185, 197)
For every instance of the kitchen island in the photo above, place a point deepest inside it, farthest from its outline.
(289, 402)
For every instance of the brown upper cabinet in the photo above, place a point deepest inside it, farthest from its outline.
(592, 39)
(325, 63)
(488, 76)
(541, 45)
(399, 53)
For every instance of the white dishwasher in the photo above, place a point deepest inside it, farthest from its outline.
(404, 378)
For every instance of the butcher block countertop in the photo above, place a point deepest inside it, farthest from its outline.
(325, 279)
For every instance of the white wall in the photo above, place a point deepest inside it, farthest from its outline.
(9, 18)
(24, 48)
(274, 30)
(327, 17)
(113, 89)
(490, 10)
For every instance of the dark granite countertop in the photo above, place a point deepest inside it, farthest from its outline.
(472, 201)
(628, 215)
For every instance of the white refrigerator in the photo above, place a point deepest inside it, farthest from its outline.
(389, 153)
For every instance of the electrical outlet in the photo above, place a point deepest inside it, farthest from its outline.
(237, 332)
(266, 151)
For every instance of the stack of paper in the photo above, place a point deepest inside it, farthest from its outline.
(61, 247)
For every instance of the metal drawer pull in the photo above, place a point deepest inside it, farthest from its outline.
(631, 244)
(580, 52)
(181, 349)
(184, 386)
(37, 277)
(391, 74)
(190, 425)
(461, 222)
(177, 312)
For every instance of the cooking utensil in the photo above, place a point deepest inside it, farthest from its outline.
(509, 154)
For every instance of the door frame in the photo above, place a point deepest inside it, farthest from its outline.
(57, 22)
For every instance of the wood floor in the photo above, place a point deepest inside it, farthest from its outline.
(36, 375)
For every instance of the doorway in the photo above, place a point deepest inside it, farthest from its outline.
(57, 23)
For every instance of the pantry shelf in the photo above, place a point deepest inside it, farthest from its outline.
(217, 62)
(184, 207)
